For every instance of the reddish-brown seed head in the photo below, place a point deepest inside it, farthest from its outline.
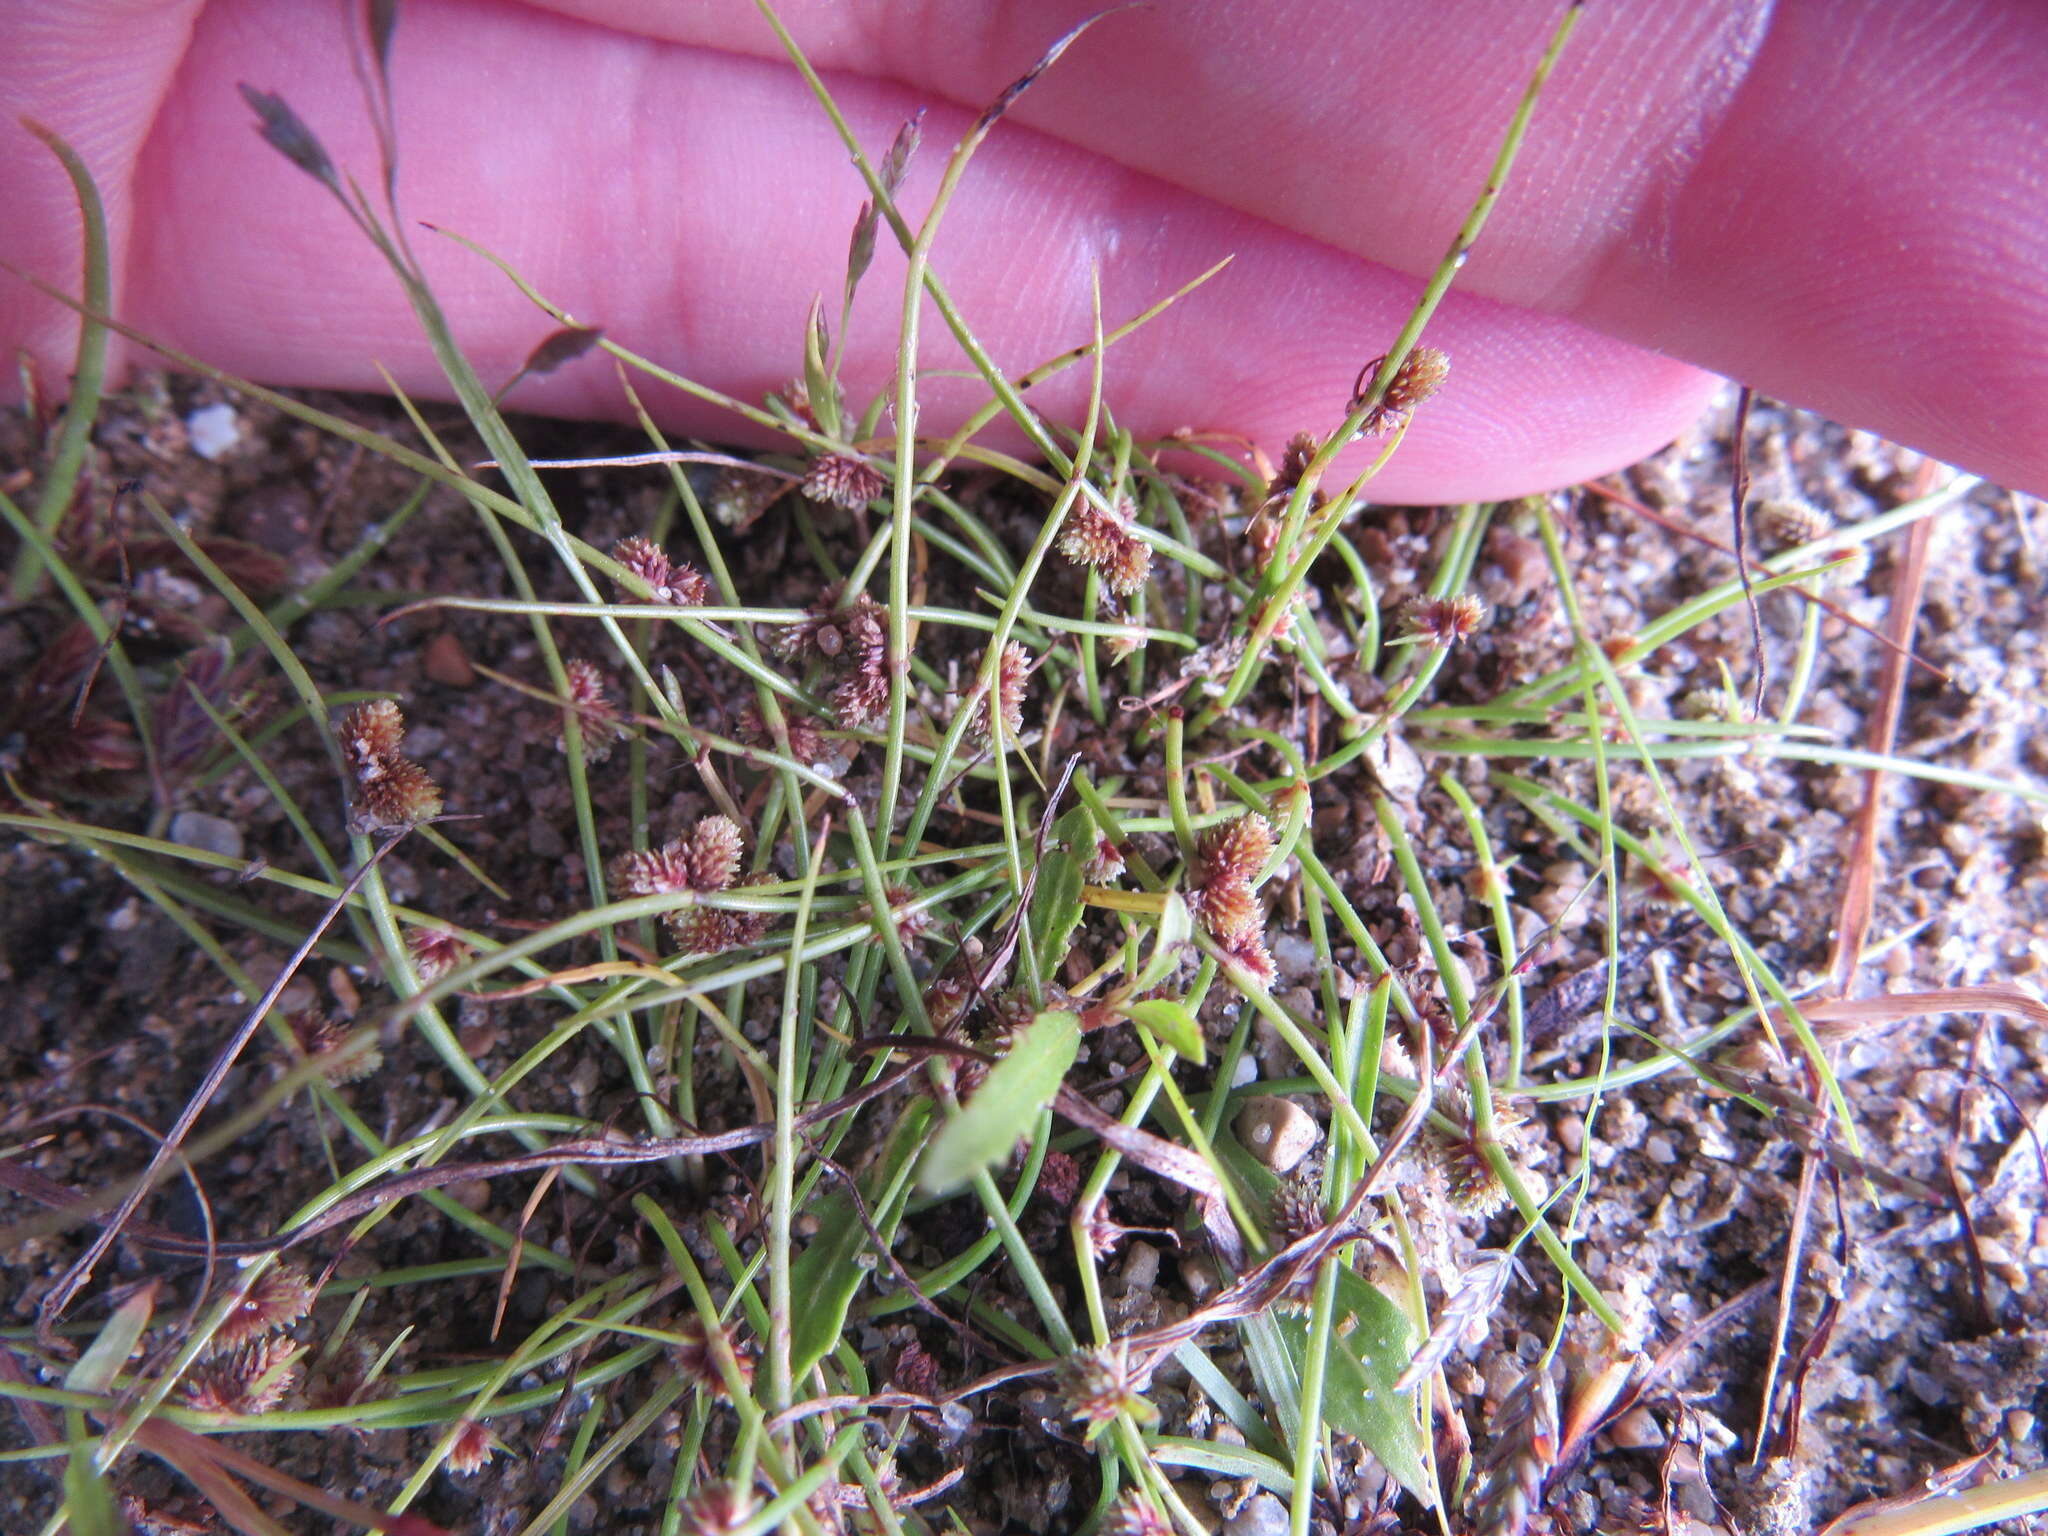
(844, 480)
(370, 736)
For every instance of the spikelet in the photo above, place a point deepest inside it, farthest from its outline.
(667, 582)
(1103, 540)
(402, 795)
(844, 480)
(716, 846)
(1421, 374)
(1237, 850)
(1098, 1384)
(473, 1446)
(435, 952)
(251, 1378)
(279, 1297)
(392, 791)
(1013, 676)
(1443, 621)
(597, 717)
(370, 737)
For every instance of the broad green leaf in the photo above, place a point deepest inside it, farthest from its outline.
(1358, 1390)
(1176, 927)
(826, 1276)
(1006, 1106)
(1172, 1023)
(1371, 1346)
(1055, 909)
(1076, 833)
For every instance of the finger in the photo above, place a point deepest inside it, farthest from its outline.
(1839, 201)
(693, 203)
(94, 75)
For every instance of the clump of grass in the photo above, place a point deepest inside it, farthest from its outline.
(867, 998)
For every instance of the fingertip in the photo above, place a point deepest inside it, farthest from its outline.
(707, 261)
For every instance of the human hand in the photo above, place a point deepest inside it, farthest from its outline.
(1839, 201)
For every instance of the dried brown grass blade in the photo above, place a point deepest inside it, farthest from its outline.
(1852, 921)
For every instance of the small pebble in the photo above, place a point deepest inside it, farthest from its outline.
(1571, 1133)
(214, 430)
(1295, 956)
(1636, 1430)
(1277, 1131)
(214, 834)
(1140, 1268)
(1262, 1515)
(1396, 767)
(342, 988)
(446, 662)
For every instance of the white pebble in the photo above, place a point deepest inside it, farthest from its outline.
(214, 430)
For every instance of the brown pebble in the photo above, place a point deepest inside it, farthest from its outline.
(342, 988)
(1277, 1131)
(1636, 1430)
(445, 661)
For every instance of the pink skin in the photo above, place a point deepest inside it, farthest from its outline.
(1840, 201)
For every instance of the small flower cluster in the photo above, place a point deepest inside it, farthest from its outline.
(1295, 1208)
(844, 480)
(253, 1363)
(250, 1378)
(1098, 1384)
(1006, 692)
(277, 1298)
(1102, 539)
(696, 1357)
(739, 496)
(683, 585)
(391, 790)
(707, 860)
(325, 1039)
(1790, 522)
(597, 717)
(853, 641)
(1442, 622)
(1224, 900)
(1136, 1515)
(808, 743)
(1105, 862)
(1421, 374)
(911, 922)
(1264, 528)
(1459, 1155)
(472, 1448)
(718, 1510)
(435, 952)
